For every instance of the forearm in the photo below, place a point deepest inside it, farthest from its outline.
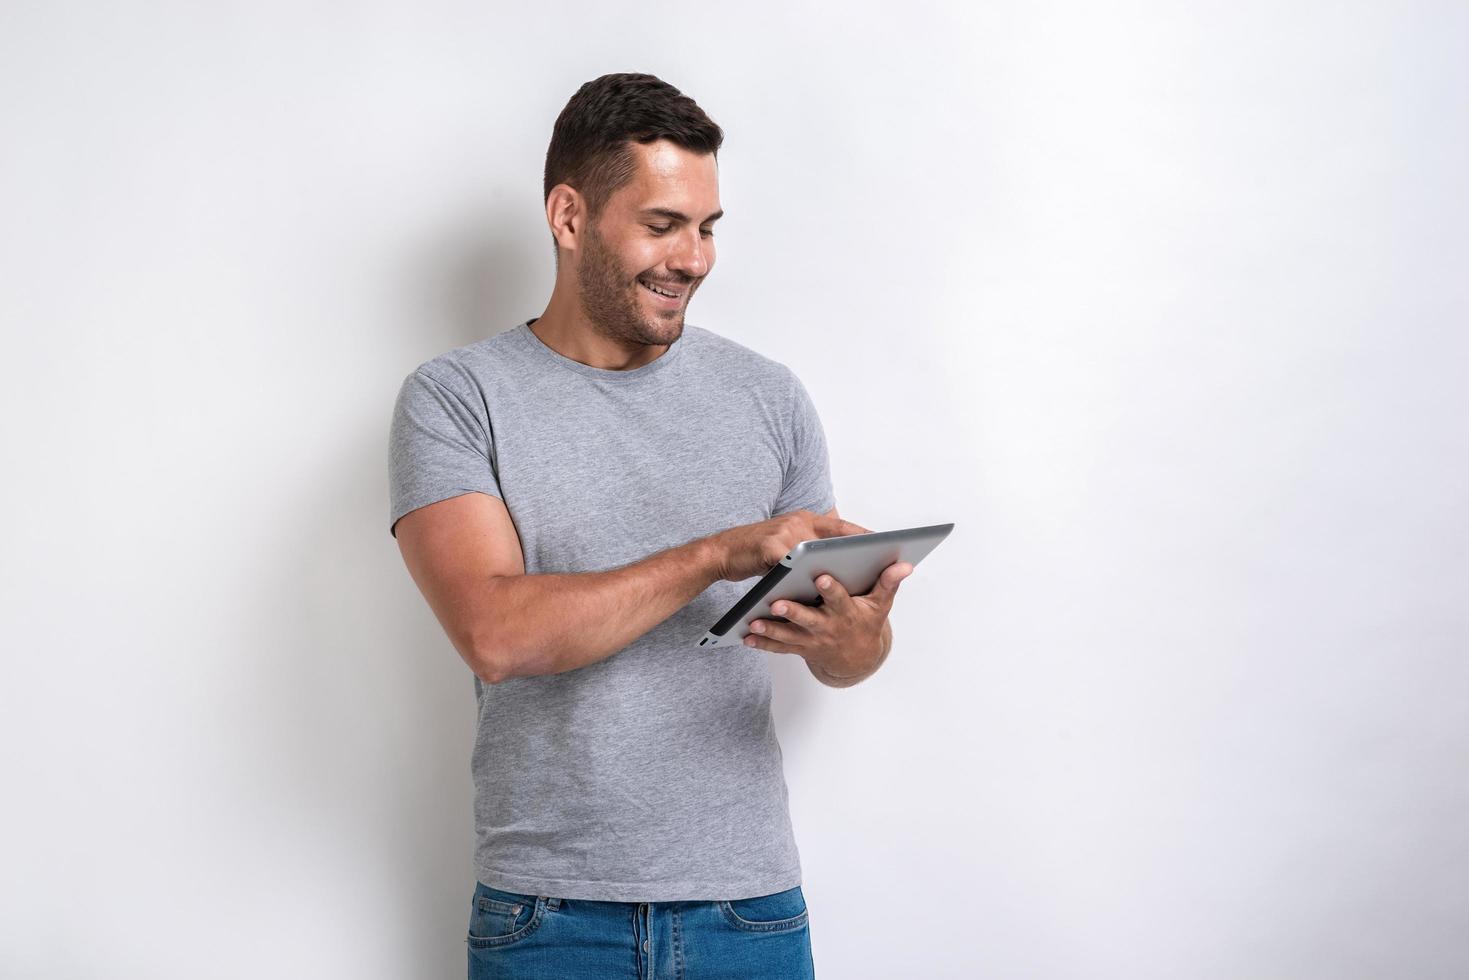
(831, 680)
(547, 624)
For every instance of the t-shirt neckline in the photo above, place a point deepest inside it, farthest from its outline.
(535, 343)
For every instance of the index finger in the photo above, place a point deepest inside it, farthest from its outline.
(836, 527)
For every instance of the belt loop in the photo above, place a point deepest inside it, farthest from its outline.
(552, 903)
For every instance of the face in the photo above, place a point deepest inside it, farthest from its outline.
(656, 229)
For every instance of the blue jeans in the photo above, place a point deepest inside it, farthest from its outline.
(539, 937)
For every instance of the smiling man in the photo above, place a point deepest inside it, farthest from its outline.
(578, 498)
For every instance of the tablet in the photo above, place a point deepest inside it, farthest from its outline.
(855, 560)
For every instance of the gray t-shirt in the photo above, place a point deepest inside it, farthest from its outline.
(653, 775)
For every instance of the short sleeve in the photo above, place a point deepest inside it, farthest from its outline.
(807, 468)
(438, 447)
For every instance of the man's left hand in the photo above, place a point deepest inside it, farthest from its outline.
(842, 636)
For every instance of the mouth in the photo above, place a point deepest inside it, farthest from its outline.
(663, 295)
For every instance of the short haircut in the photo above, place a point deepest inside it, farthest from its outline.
(591, 142)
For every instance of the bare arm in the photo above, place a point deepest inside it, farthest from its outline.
(465, 556)
(561, 621)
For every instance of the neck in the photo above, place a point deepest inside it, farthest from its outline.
(569, 333)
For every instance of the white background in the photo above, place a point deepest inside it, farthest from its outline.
(1163, 305)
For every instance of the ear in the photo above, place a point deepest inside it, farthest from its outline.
(565, 212)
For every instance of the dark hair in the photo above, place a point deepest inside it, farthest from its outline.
(590, 143)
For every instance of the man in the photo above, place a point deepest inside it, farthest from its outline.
(578, 498)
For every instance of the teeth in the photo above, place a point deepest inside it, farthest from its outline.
(657, 290)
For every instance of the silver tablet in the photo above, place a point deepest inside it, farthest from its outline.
(855, 560)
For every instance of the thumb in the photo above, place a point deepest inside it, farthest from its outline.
(887, 583)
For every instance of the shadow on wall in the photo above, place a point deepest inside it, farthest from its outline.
(372, 710)
(372, 725)
(472, 282)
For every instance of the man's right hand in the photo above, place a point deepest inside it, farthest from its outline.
(753, 549)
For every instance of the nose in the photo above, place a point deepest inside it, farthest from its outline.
(690, 258)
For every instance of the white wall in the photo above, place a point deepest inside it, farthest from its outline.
(1163, 305)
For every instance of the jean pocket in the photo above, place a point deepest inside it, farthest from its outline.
(498, 918)
(778, 912)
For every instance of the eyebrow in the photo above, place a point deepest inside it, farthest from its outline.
(679, 215)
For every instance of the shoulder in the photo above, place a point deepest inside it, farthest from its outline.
(733, 358)
(468, 369)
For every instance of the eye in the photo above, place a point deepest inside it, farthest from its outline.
(708, 233)
(655, 229)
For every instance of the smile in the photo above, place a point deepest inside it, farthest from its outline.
(661, 293)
